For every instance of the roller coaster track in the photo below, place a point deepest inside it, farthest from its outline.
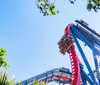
(59, 75)
(66, 44)
(75, 67)
(92, 40)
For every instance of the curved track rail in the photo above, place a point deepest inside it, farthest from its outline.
(66, 44)
(59, 75)
(92, 40)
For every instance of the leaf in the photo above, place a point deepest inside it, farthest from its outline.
(4, 79)
(89, 6)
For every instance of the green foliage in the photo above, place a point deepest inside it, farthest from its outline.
(89, 6)
(3, 61)
(46, 8)
(93, 4)
(3, 75)
(39, 82)
(4, 79)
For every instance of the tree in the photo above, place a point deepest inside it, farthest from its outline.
(3, 60)
(4, 64)
(39, 82)
(93, 4)
(47, 8)
(5, 81)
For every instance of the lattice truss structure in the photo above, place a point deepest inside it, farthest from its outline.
(88, 36)
(78, 76)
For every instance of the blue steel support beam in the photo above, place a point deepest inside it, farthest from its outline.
(99, 80)
(86, 41)
(96, 66)
(84, 57)
(95, 61)
(84, 82)
(49, 75)
(97, 42)
(86, 27)
(83, 79)
(87, 78)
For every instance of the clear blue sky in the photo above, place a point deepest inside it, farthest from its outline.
(31, 39)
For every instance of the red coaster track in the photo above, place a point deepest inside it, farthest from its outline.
(66, 44)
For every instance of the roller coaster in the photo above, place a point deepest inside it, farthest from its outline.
(67, 44)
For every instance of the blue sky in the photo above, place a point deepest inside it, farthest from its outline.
(31, 39)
